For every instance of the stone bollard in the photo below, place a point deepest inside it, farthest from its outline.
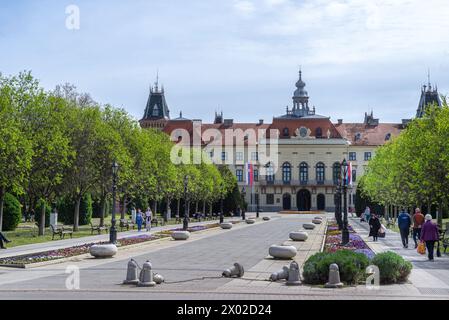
(293, 275)
(131, 273)
(158, 278)
(281, 274)
(334, 277)
(146, 276)
(235, 271)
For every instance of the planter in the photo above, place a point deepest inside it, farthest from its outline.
(250, 221)
(226, 225)
(321, 218)
(317, 221)
(308, 226)
(266, 218)
(103, 250)
(180, 235)
(282, 252)
(298, 235)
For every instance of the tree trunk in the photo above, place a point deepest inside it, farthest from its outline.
(42, 223)
(168, 209)
(122, 215)
(210, 207)
(76, 217)
(177, 207)
(2, 200)
(204, 206)
(440, 214)
(196, 206)
(155, 207)
(103, 209)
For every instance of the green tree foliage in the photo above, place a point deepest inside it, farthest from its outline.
(66, 207)
(12, 213)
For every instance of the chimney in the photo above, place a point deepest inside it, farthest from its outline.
(340, 121)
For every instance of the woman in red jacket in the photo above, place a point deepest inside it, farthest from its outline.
(429, 234)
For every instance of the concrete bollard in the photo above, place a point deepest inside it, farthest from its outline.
(235, 271)
(293, 275)
(281, 274)
(131, 273)
(158, 278)
(146, 276)
(334, 277)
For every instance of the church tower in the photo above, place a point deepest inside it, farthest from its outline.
(156, 112)
(429, 96)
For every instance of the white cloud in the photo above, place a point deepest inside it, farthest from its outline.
(244, 8)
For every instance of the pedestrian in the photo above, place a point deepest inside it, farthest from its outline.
(429, 234)
(133, 215)
(374, 225)
(139, 219)
(148, 218)
(3, 239)
(404, 223)
(367, 214)
(418, 221)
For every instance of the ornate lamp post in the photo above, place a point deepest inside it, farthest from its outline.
(243, 207)
(185, 223)
(338, 200)
(345, 231)
(257, 204)
(113, 230)
(221, 211)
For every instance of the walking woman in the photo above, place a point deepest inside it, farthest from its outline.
(374, 225)
(429, 234)
(148, 218)
(139, 219)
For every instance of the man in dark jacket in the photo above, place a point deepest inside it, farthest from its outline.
(404, 223)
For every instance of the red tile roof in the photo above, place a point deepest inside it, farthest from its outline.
(368, 135)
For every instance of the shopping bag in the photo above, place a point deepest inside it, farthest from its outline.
(381, 232)
(421, 248)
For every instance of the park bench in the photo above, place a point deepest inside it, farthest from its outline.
(98, 228)
(178, 219)
(61, 231)
(126, 224)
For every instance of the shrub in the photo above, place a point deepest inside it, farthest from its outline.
(12, 214)
(351, 264)
(393, 268)
(66, 210)
(38, 211)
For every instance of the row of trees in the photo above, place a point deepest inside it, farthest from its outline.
(413, 169)
(62, 144)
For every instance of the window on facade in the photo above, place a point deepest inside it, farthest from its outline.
(239, 156)
(336, 172)
(256, 175)
(255, 156)
(211, 153)
(286, 172)
(320, 172)
(239, 174)
(352, 156)
(285, 132)
(224, 155)
(270, 198)
(303, 172)
(367, 156)
(318, 132)
(270, 172)
(354, 175)
(358, 135)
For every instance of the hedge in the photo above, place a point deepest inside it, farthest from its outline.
(12, 215)
(393, 267)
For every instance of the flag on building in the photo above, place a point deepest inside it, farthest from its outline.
(349, 175)
(249, 174)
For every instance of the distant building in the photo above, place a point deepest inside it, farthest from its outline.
(429, 96)
(310, 148)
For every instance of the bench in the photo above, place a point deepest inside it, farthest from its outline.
(61, 231)
(98, 228)
(126, 224)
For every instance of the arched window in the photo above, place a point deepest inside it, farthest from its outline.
(303, 173)
(285, 132)
(318, 132)
(336, 172)
(320, 173)
(270, 172)
(286, 172)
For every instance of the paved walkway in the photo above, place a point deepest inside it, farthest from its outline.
(428, 277)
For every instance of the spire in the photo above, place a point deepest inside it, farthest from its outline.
(156, 84)
(428, 78)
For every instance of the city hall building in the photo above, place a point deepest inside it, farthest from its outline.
(309, 148)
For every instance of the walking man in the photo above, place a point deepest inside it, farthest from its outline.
(404, 223)
(418, 221)
(3, 239)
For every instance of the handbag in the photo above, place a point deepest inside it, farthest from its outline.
(421, 248)
(381, 232)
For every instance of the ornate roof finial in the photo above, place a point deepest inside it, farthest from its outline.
(156, 84)
(428, 78)
(180, 114)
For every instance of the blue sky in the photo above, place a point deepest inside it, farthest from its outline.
(238, 56)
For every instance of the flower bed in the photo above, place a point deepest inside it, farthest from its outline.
(356, 243)
(21, 261)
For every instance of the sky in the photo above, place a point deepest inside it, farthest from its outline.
(237, 56)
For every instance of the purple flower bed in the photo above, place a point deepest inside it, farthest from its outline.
(356, 243)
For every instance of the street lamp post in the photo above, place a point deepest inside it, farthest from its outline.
(221, 211)
(113, 230)
(185, 223)
(257, 204)
(338, 198)
(243, 207)
(345, 231)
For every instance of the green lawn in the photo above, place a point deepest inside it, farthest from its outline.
(27, 232)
